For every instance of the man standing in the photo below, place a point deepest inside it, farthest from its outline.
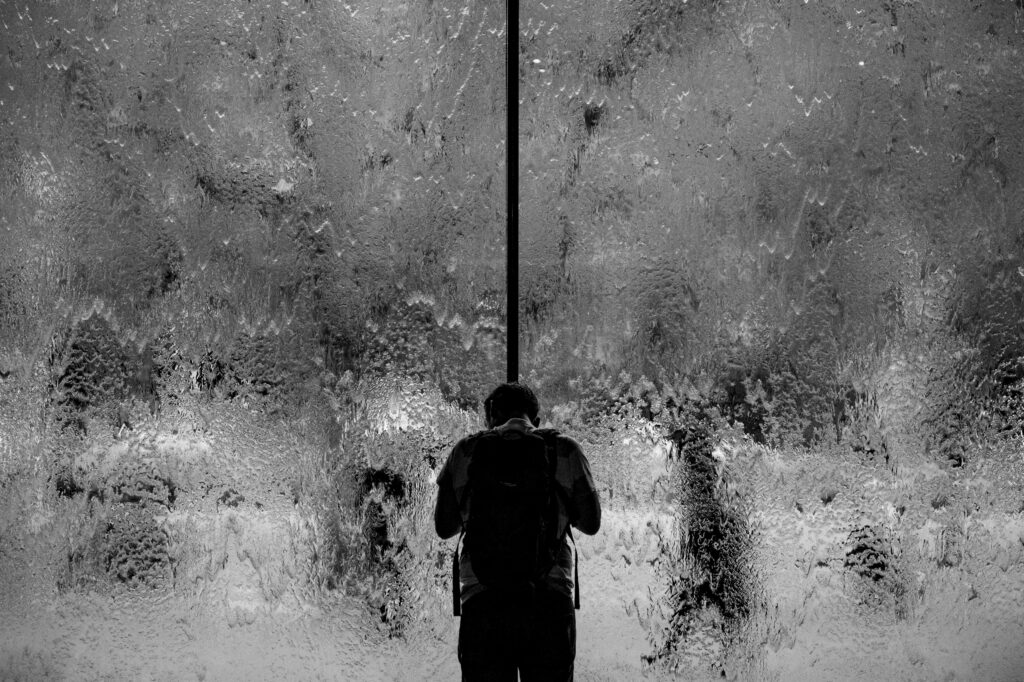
(513, 491)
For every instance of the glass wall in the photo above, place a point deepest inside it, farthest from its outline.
(252, 289)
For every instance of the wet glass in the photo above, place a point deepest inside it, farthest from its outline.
(252, 286)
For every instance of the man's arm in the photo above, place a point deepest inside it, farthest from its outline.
(585, 500)
(447, 517)
(447, 521)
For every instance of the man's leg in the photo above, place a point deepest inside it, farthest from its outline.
(551, 641)
(487, 637)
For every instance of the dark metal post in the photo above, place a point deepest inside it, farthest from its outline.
(512, 187)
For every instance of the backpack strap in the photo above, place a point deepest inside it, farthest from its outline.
(549, 443)
(456, 587)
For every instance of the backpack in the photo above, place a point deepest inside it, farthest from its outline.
(511, 529)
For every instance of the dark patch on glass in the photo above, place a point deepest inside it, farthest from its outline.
(65, 484)
(716, 543)
(230, 498)
(951, 546)
(868, 555)
(133, 548)
(391, 483)
(743, 395)
(592, 114)
(143, 483)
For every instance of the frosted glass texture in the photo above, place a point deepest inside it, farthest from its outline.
(252, 288)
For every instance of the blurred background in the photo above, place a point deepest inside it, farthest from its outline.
(252, 280)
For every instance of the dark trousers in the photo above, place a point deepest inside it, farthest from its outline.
(532, 632)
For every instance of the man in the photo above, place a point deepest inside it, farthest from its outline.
(529, 628)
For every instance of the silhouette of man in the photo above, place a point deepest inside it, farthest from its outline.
(531, 631)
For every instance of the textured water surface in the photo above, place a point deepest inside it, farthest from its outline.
(252, 286)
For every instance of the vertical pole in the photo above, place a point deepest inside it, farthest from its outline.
(512, 187)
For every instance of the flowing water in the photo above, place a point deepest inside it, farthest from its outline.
(252, 277)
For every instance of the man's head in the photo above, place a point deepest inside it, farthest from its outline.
(509, 401)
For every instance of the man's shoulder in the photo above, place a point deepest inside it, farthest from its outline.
(474, 436)
(455, 467)
(467, 443)
(565, 444)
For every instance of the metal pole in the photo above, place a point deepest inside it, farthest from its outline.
(512, 187)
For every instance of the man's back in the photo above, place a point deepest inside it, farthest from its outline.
(527, 626)
(576, 500)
